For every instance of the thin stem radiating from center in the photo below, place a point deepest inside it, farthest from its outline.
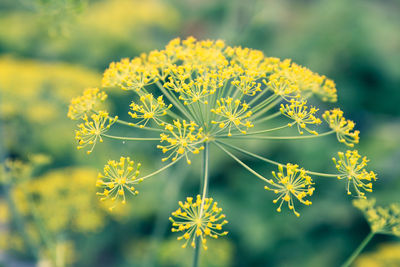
(205, 188)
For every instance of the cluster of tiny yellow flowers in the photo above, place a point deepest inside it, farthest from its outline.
(232, 114)
(129, 74)
(183, 137)
(149, 109)
(295, 184)
(353, 170)
(383, 220)
(301, 115)
(309, 82)
(192, 94)
(198, 219)
(282, 87)
(81, 105)
(91, 130)
(45, 206)
(192, 90)
(119, 177)
(247, 85)
(342, 127)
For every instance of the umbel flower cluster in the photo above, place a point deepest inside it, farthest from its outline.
(383, 220)
(194, 94)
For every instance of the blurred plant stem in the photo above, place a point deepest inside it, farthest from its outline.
(38, 221)
(360, 248)
(20, 222)
(205, 188)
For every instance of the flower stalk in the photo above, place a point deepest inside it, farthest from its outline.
(360, 248)
(204, 194)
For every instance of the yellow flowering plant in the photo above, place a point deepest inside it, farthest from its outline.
(381, 219)
(194, 94)
(42, 214)
(33, 98)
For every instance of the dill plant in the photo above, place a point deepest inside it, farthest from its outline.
(194, 94)
(384, 220)
(41, 215)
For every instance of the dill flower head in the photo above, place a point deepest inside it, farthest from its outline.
(85, 103)
(353, 170)
(198, 219)
(342, 127)
(119, 177)
(290, 184)
(91, 130)
(194, 94)
(216, 89)
(384, 220)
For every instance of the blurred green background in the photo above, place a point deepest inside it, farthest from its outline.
(51, 50)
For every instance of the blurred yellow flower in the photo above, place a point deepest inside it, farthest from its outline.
(383, 220)
(82, 105)
(386, 255)
(132, 25)
(40, 88)
(59, 207)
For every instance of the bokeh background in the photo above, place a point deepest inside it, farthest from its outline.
(51, 50)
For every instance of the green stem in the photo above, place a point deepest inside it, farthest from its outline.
(19, 220)
(243, 164)
(263, 91)
(205, 188)
(174, 100)
(43, 232)
(244, 136)
(258, 132)
(263, 104)
(276, 114)
(355, 254)
(160, 170)
(205, 175)
(131, 138)
(136, 126)
(323, 174)
(168, 199)
(265, 109)
(271, 161)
